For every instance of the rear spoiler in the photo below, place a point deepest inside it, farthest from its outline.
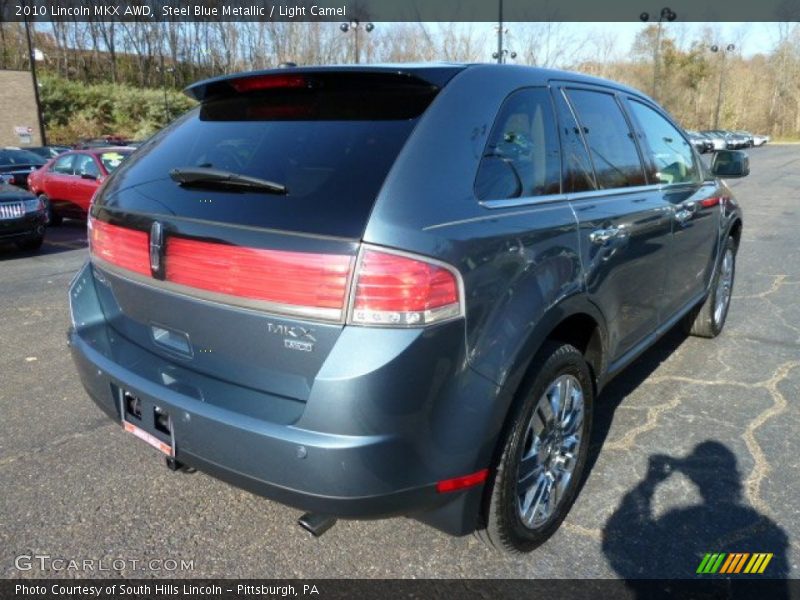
(229, 85)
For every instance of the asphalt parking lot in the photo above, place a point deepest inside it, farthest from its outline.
(724, 414)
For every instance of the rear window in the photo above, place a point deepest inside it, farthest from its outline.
(331, 145)
(10, 157)
(111, 160)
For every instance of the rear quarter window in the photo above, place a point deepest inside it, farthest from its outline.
(522, 156)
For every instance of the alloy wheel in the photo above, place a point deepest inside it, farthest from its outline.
(550, 452)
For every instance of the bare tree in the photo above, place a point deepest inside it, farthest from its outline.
(546, 44)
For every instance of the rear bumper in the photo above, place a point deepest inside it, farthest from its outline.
(280, 448)
(262, 457)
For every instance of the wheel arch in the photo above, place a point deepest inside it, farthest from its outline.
(576, 321)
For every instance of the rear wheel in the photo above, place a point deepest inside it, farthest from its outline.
(709, 319)
(544, 455)
(52, 218)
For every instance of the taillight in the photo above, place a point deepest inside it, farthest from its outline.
(388, 288)
(403, 291)
(314, 284)
(709, 202)
(268, 82)
(119, 246)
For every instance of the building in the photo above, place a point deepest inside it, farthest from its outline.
(19, 120)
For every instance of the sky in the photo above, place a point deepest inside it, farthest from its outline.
(749, 38)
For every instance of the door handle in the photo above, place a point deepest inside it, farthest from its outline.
(602, 236)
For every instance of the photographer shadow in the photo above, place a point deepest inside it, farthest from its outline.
(639, 545)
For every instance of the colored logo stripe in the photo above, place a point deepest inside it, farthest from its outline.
(711, 563)
(758, 563)
(734, 563)
(722, 563)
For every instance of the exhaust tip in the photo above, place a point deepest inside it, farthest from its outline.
(316, 524)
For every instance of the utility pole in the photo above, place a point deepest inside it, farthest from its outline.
(501, 53)
(723, 53)
(354, 25)
(167, 111)
(500, 34)
(32, 58)
(666, 14)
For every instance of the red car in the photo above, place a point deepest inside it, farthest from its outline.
(67, 182)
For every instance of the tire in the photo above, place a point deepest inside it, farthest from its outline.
(708, 319)
(52, 218)
(518, 513)
(31, 244)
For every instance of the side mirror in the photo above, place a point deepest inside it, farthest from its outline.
(730, 163)
(497, 179)
(88, 176)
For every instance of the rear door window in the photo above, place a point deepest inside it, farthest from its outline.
(578, 171)
(522, 157)
(86, 165)
(670, 154)
(609, 139)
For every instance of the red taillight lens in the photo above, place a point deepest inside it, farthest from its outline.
(119, 246)
(390, 289)
(709, 202)
(393, 289)
(268, 82)
(317, 282)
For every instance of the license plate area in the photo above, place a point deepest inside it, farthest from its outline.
(147, 421)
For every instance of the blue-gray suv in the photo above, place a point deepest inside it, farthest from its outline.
(398, 290)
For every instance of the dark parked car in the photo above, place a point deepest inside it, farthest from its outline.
(716, 138)
(749, 138)
(376, 291)
(700, 142)
(47, 152)
(22, 218)
(16, 164)
(101, 142)
(733, 141)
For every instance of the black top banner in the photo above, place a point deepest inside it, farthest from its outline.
(399, 10)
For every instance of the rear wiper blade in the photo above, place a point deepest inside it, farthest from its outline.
(198, 176)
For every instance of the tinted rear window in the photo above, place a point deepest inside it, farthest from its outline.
(331, 146)
(19, 157)
(111, 160)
